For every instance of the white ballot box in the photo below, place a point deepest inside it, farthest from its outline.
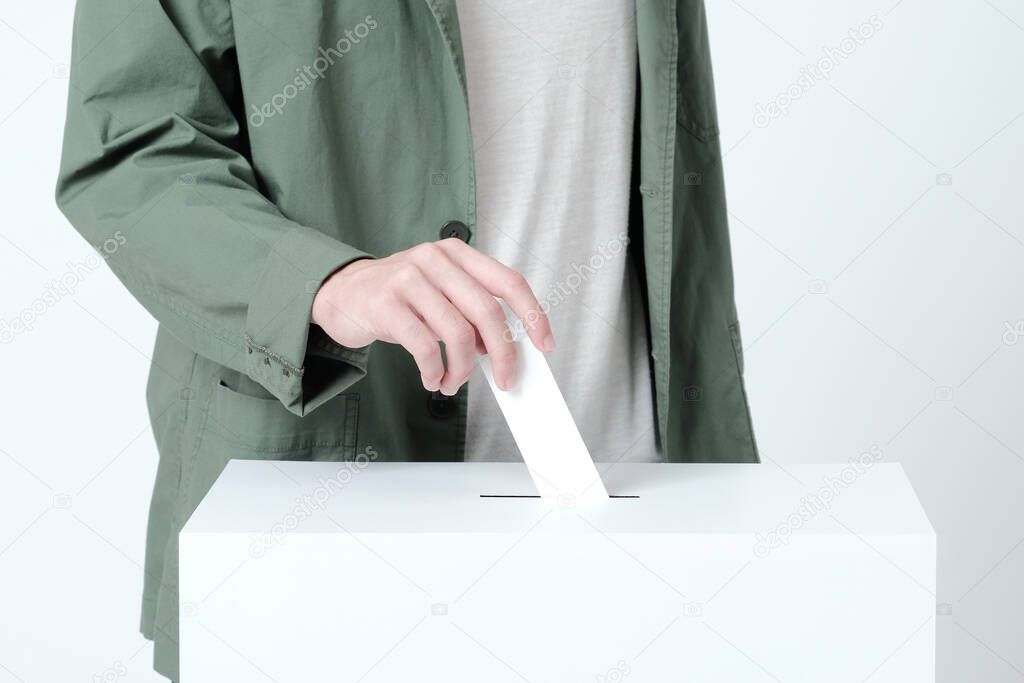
(397, 572)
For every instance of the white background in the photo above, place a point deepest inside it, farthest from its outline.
(878, 235)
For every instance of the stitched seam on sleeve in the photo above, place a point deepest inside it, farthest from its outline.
(251, 343)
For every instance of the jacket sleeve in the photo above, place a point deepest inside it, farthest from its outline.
(155, 175)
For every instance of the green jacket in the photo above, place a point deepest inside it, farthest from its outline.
(225, 156)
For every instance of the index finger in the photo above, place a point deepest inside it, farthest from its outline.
(502, 281)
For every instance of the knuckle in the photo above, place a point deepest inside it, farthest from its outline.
(457, 379)
(413, 332)
(505, 353)
(491, 308)
(405, 276)
(424, 351)
(452, 244)
(427, 251)
(382, 299)
(516, 282)
(451, 317)
(536, 319)
(431, 373)
(463, 333)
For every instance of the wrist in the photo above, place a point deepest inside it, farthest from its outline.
(323, 301)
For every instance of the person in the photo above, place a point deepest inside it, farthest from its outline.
(319, 203)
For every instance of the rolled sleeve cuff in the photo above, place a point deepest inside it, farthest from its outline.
(296, 361)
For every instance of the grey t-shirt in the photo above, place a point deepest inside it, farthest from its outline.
(551, 98)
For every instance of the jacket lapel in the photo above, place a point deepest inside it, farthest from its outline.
(446, 16)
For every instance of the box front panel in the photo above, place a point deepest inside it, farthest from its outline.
(555, 607)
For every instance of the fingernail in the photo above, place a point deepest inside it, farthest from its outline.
(549, 343)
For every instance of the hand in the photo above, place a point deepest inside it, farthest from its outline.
(436, 291)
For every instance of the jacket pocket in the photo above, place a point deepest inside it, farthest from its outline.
(248, 426)
(697, 117)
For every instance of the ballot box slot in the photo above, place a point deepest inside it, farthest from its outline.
(500, 495)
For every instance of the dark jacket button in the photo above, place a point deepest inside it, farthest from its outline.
(455, 229)
(440, 406)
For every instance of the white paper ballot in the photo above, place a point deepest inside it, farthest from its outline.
(546, 434)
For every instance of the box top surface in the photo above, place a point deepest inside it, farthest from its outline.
(383, 497)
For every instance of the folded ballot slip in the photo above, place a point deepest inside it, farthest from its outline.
(544, 430)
